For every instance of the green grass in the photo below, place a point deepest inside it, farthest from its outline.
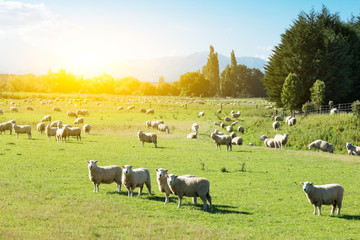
(46, 193)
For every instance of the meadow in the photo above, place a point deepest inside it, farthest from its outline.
(46, 192)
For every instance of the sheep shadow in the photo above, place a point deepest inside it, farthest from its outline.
(350, 217)
(225, 209)
(124, 193)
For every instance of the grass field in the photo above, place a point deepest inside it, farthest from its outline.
(46, 192)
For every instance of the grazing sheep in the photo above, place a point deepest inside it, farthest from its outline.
(352, 150)
(250, 144)
(192, 135)
(217, 132)
(120, 108)
(292, 121)
(334, 111)
(229, 129)
(73, 132)
(234, 123)
(30, 108)
(40, 127)
(278, 118)
(133, 178)
(59, 124)
(329, 194)
(61, 134)
(142, 110)
(216, 124)
(155, 124)
(50, 131)
(55, 123)
(190, 187)
(236, 115)
(1, 112)
(233, 134)
(87, 128)
(14, 109)
(22, 129)
(222, 140)
(6, 126)
(222, 125)
(241, 129)
(150, 111)
(276, 125)
(147, 137)
(148, 124)
(322, 145)
(268, 142)
(201, 114)
(218, 111)
(164, 128)
(47, 118)
(195, 127)
(237, 141)
(56, 109)
(82, 112)
(287, 119)
(281, 140)
(79, 120)
(72, 114)
(106, 174)
(227, 119)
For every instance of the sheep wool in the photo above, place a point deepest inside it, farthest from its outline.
(40, 127)
(322, 145)
(147, 137)
(222, 140)
(352, 150)
(22, 129)
(107, 174)
(133, 178)
(87, 128)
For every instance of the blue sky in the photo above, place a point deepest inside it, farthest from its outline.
(81, 34)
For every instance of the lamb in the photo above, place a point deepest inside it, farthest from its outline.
(147, 137)
(87, 128)
(164, 128)
(150, 111)
(236, 115)
(79, 120)
(352, 150)
(55, 123)
(73, 131)
(217, 132)
(334, 111)
(195, 127)
(281, 140)
(190, 187)
(237, 141)
(201, 114)
(155, 124)
(192, 136)
(133, 178)
(61, 134)
(22, 129)
(276, 125)
(329, 194)
(40, 127)
(241, 129)
(50, 131)
(107, 174)
(268, 142)
(222, 140)
(14, 109)
(47, 118)
(229, 129)
(227, 119)
(56, 109)
(30, 108)
(72, 114)
(322, 145)
(82, 112)
(292, 121)
(6, 126)
(164, 186)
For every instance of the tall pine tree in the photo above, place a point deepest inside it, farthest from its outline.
(211, 72)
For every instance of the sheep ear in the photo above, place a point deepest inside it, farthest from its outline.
(167, 176)
(131, 166)
(122, 166)
(302, 183)
(156, 169)
(166, 170)
(88, 162)
(96, 161)
(311, 183)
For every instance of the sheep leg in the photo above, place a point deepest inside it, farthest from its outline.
(17, 135)
(204, 199)
(118, 187)
(155, 145)
(94, 187)
(209, 199)
(140, 189)
(149, 187)
(194, 200)
(314, 209)
(333, 208)
(319, 210)
(98, 187)
(142, 144)
(180, 198)
(166, 198)
(339, 208)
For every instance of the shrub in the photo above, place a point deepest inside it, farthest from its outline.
(356, 109)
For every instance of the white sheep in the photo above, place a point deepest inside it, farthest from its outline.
(217, 132)
(50, 131)
(201, 114)
(227, 119)
(56, 109)
(234, 123)
(72, 114)
(14, 109)
(218, 111)
(55, 123)
(276, 125)
(216, 124)
(120, 108)
(73, 132)
(164, 128)
(148, 123)
(268, 142)
(233, 134)
(61, 134)
(236, 115)
(222, 125)
(322, 145)
(40, 127)
(190, 187)
(222, 140)
(106, 174)
(352, 150)
(150, 111)
(329, 194)
(155, 124)
(195, 127)
(250, 144)
(142, 110)
(287, 119)
(30, 108)
(6, 126)
(79, 120)
(334, 111)
(133, 178)
(281, 140)
(130, 108)
(237, 141)
(147, 137)
(192, 135)
(82, 112)
(46, 118)
(278, 118)
(22, 129)
(87, 128)
(241, 129)
(229, 129)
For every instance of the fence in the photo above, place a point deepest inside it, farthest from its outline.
(325, 109)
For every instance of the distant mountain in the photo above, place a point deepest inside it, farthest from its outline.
(171, 68)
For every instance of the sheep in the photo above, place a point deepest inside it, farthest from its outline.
(241, 129)
(287, 119)
(82, 112)
(281, 140)
(47, 118)
(190, 187)
(22, 129)
(50, 131)
(222, 125)
(1, 112)
(292, 121)
(329, 194)
(72, 114)
(40, 127)
(195, 127)
(334, 111)
(142, 110)
(217, 132)
(236, 115)
(276, 125)
(150, 111)
(233, 134)
(227, 119)
(192, 136)
(148, 124)
(147, 137)
(55, 123)
(6, 126)
(268, 142)
(229, 129)
(237, 141)
(133, 178)
(234, 123)
(278, 118)
(322, 145)
(61, 134)
(251, 144)
(164, 128)
(87, 128)
(222, 140)
(120, 108)
(201, 114)
(352, 150)
(79, 120)
(106, 174)
(163, 185)
(155, 124)
(14, 109)
(30, 108)
(74, 132)
(56, 109)
(59, 124)
(130, 108)
(218, 111)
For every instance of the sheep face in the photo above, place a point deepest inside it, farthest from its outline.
(171, 178)
(348, 145)
(127, 170)
(139, 132)
(160, 173)
(310, 146)
(92, 164)
(263, 137)
(306, 186)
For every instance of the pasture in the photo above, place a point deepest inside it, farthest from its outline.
(46, 192)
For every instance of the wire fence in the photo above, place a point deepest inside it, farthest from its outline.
(325, 109)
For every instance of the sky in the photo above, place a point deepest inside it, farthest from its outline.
(81, 34)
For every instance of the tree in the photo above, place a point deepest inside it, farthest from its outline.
(193, 84)
(318, 93)
(211, 72)
(291, 96)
